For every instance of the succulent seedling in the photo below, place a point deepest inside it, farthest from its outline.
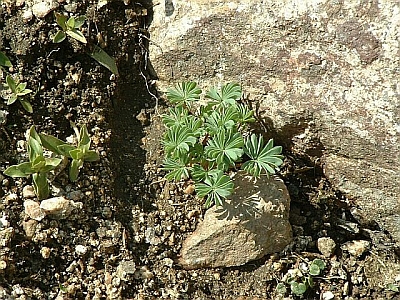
(38, 165)
(16, 91)
(78, 154)
(69, 26)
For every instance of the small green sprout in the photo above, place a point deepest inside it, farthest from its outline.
(207, 144)
(38, 165)
(300, 280)
(393, 287)
(17, 91)
(316, 267)
(78, 154)
(69, 27)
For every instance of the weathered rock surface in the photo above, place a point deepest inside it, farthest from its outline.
(356, 247)
(56, 208)
(59, 207)
(28, 192)
(325, 74)
(41, 8)
(326, 246)
(32, 209)
(253, 224)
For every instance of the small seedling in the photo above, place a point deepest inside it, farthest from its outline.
(78, 154)
(301, 279)
(69, 27)
(38, 165)
(393, 287)
(17, 91)
(208, 143)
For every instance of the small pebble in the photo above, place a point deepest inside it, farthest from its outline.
(328, 295)
(59, 207)
(32, 209)
(11, 198)
(168, 262)
(189, 190)
(30, 228)
(356, 247)
(3, 265)
(326, 246)
(28, 192)
(27, 15)
(41, 9)
(4, 222)
(45, 251)
(80, 250)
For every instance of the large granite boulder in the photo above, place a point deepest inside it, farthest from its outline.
(325, 74)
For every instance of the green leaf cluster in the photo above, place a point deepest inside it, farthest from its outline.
(78, 154)
(17, 91)
(69, 26)
(301, 280)
(207, 142)
(14, 90)
(39, 166)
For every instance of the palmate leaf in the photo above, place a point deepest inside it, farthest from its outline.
(225, 148)
(194, 124)
(228, 94)
(216, 187)
(177, 141)
(298, 288)
(245, 115)
(177, 168)
(177, 116)
(262, 158)
(226, 118)
(184, 93)
(199, 173)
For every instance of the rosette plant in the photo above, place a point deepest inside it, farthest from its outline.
(38, 166)
(207, 143)
(79, 153)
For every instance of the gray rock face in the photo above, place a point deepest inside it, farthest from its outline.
(253, 224)
(324, 74)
